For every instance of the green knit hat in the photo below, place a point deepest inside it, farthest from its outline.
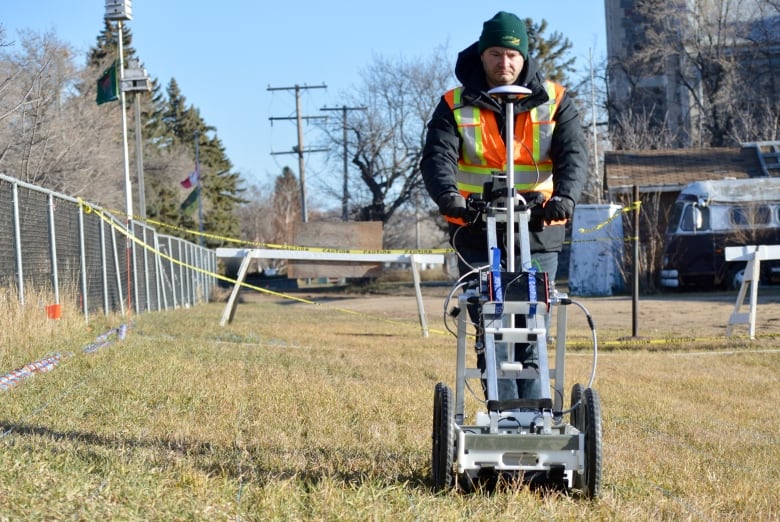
(504, 30)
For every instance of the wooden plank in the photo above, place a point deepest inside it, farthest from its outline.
(230, 307)
(418, 294)
(273, 253)
(363, 235)
(752, 273)
(745, 253)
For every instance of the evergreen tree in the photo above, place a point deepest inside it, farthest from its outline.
(220, 188)
(286, 209)
(107, 48)
(169, 128)
(550, 53)
(181, 122)
(225, 190)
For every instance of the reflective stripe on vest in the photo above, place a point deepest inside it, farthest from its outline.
(483, 151)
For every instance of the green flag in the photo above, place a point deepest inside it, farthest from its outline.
(189, 204)
(108, 86)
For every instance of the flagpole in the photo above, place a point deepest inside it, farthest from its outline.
(198, 187)
(126, 165)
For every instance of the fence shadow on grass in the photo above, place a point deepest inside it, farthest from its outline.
(8, 428)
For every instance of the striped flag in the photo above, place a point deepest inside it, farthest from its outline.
(188, 205)
(191, 180)
(108, 86)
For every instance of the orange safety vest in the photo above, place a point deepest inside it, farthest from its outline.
(484, 152)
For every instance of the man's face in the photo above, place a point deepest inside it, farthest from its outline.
(502, 65)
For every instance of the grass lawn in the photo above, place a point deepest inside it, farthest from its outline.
(296, 411)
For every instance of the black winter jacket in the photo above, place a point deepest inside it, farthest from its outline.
(568, 151)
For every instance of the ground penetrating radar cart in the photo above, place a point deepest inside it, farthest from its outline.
(517, 438)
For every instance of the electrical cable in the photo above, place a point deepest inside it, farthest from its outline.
(594, 337)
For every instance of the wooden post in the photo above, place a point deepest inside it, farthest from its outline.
(635, 289)
(418, 293)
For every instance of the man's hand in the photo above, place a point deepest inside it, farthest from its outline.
(558, 208)
(452, 204)
(533, 199)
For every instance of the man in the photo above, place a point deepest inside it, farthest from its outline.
(465, 144)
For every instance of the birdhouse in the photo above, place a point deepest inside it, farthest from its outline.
(119, 10)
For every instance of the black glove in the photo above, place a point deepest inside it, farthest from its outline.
(558, 208)
(452, 204)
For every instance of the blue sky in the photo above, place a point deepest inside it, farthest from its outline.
(224, 55)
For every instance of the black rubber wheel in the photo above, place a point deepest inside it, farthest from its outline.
(576, 397)
(734, 278)
(443, 455)
(589, 422)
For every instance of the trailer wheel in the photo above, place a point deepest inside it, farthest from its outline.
(735, 277)
(589, 423)
(443, 454)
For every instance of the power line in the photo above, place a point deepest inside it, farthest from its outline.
(345, 190)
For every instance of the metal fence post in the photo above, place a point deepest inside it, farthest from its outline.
(18, 244)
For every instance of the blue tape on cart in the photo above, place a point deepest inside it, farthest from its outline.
(495, 274)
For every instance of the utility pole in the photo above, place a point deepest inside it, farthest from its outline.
(593, 118)
(345, 192)
(299, 149)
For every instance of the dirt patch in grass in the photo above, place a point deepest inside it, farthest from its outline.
(654, 318)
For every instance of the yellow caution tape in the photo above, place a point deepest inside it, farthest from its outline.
(275, 246)
(616, 342)
(634, 206)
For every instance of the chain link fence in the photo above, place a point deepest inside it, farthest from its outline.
(52, 243)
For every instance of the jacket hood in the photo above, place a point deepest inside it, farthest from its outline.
(469, 71)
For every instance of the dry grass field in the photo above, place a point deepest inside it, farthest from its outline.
(301, 411)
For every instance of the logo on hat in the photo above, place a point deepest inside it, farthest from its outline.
(511, 41)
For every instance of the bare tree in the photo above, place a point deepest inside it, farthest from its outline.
(252, 215)
(705, 69)
(385, 142)
(52, 131)
(36, 76)
(640, 131)
(759, 117)
(591, 101)
(653, 220)
(271, 215)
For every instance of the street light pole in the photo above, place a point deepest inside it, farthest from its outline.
(121, 10)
